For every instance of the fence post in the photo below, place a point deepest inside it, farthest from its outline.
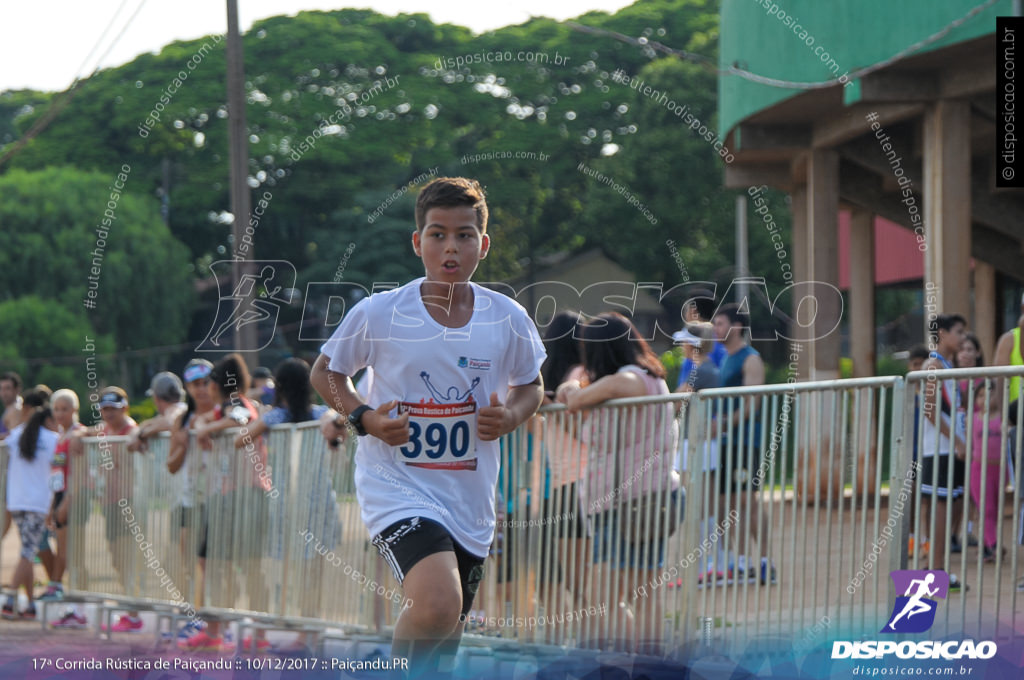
(901, 462)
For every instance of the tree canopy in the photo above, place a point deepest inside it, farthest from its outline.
(344, 109)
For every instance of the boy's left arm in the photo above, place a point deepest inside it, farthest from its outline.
(499, 419)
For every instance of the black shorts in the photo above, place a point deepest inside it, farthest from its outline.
(58, 496)
(739, 462)
(408, 541)
(562, 514)
(181, 516)
(116, 527)
(242, 521)
(941, 489)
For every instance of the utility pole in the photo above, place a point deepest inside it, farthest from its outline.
(742, 266)
(244, 336)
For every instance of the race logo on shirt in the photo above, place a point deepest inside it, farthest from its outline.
(442, 429)
(478, 364)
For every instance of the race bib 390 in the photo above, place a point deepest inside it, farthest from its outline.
(441, 436)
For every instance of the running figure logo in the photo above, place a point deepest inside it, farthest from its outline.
(452, 395)
(256, 299)
(914, 611)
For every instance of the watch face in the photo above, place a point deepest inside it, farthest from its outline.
(356, 419)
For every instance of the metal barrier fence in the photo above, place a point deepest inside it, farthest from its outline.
(269, 530)
(729, 514)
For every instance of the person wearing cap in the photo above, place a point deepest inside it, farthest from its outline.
(699, 309)
(113, 407)
(698, 371)
(262, 389)
(167, 394)
(198, 405)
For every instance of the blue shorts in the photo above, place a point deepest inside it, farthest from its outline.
(634, 555)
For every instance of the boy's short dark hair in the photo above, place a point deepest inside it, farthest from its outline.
(945, 322)
(733, 313)
(703, 300)
(13, 377)
(452, 192)
(918, 352)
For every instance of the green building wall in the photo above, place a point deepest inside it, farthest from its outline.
(854, 33)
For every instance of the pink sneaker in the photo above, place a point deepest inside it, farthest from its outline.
(71, 620)
(262, 644)
(126, 624)
(202, 642)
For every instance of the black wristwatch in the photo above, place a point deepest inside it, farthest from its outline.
(355, 419)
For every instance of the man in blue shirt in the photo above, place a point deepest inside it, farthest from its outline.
(740, 473)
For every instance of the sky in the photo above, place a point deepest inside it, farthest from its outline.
(45, 45)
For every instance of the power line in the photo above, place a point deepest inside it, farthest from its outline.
(65, 98)
(710, 64)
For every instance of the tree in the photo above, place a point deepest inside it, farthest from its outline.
(68, 232)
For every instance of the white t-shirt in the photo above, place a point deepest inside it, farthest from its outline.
(443, 375)
(28, 482)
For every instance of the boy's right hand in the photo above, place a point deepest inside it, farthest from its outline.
(392, 431)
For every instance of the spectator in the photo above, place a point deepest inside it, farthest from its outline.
(740, 470)
(1010, 352)
(566, 459)
(262, 390)
(943, 432)
(918, 354)
(167, 393)
(10, 386)
(697, 341)
(118, 480)
(293, 404)
(700, 309)
(28, 496)
(10, 389)
(620, 475)
(198, 404)
(986, 454)
(245, 485)
(968, 356)
(65, 413)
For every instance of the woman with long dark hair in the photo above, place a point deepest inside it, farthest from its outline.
(566, 459)
(31, 446)
(65, 414)
(631, 490)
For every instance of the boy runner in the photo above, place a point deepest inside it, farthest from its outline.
(456, 366)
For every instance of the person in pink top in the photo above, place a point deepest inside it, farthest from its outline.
(630, 457)
(986, 455)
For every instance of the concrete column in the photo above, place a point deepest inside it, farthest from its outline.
(816, 246)
(947, 206)
(862, 293)
(823, 252)
(862, 341)
(798, 257)
(984, 322)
